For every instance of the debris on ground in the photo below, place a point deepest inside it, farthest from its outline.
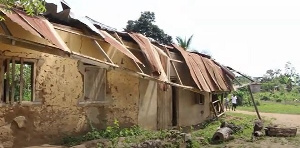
(225, 132)
(275, 131)
(258, 129)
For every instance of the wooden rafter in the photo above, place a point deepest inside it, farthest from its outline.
(173, 65)
(178, 61)
(5, 28)
(147, 77)
(176, 72)
(91, 60)
(6, 39)
(64, 29)
(120, 40)
(103, 52)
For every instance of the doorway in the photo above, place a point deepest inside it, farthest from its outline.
(174, 105)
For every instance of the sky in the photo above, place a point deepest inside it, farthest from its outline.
(249, 36)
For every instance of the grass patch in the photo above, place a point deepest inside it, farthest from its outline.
(245, 121)
(126, 137)
(273, 107)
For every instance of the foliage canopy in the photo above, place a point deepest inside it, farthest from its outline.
(145, 25)
(31, 7)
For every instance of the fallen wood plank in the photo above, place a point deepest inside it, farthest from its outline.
(220, 114)
(281, 132)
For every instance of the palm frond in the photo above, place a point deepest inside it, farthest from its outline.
(183, 42)
(188, 43)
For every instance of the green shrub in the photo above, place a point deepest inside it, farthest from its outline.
(257, 103)
(278, 100)
(265, 98)
(111, 133)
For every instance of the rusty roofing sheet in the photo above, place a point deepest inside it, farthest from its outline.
(149, 52)
(207, 74)
(217, 74)
(204, 72)
(38, 26)
(153, 55)
(45, 28)
(194, 71)
(226, 70)
(17, 19)
(111, 40)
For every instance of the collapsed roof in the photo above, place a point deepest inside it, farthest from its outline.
(208, 75)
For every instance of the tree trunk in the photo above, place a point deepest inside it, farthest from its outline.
(222, 134)
(281, 132)
(258, 125)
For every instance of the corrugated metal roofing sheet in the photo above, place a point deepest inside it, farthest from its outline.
(17, 19)
(206, 73)
(152, 55)
(111, 40)
(149, 52)
(67, 15)
(38, 26)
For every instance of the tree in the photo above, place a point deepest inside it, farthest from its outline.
(31, 7)
(184, 43)
(145, 25)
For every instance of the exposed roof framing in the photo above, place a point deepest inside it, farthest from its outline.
(208, 75)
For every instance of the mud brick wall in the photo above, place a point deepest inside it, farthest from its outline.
(56, 112)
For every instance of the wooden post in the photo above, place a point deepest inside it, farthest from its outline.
(33, 76)
(249, 88)
(214, 109)
(21, 80)
(13, 70)
(7, 81)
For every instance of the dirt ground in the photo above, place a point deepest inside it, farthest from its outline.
(267, 142)
(284, 120)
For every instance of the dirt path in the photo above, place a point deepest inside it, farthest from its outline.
(287, 120)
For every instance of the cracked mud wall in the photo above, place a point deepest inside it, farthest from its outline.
(191, 113)
(55, 112)
(59, 87)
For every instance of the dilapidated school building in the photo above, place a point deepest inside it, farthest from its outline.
(60, 73)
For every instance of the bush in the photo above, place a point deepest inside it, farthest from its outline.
(265, 98)
(111, 133)
(257, 103)
(278, 100)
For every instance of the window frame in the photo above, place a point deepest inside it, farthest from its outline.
(199, 98)
(82, 100)
(17, 60)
